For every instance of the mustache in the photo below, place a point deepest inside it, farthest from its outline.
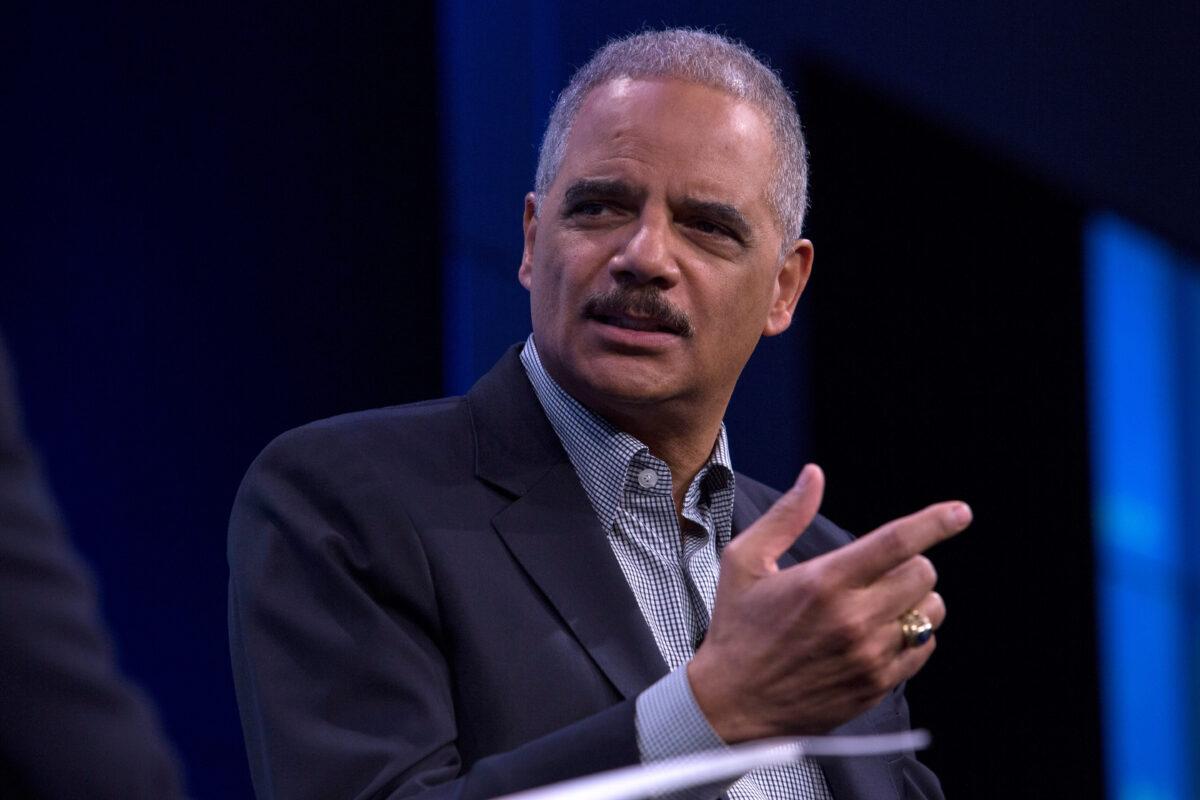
(645, 302)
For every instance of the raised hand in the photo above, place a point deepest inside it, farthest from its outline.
(805, 649)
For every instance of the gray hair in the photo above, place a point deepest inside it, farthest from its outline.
(700, 57)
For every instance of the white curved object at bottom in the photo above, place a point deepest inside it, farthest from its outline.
(715, 766)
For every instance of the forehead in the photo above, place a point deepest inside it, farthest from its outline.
(689, 138)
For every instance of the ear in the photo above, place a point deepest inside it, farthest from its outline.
(790, 281)
(525, 273)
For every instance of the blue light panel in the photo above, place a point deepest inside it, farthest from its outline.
(1144, 371)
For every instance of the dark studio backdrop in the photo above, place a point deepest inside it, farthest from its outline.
(226, 220)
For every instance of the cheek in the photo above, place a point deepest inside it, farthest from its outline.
(549, 303)
(742, 310)
(566, 268)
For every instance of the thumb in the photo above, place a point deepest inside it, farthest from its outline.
(755, 551)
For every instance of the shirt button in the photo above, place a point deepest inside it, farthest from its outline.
(647, 478)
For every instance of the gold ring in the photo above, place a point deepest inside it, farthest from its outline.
(915, 627)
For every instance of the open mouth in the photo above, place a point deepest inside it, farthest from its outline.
(642, 311)
(635, 323)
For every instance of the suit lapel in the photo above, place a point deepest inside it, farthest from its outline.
(552, 531)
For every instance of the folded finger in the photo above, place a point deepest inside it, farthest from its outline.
(902, 587)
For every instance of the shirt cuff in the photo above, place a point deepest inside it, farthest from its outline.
(670, 724)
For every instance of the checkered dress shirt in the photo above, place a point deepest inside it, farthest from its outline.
(672, 572)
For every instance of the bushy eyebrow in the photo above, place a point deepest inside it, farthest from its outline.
(723, 214)
(592, 188)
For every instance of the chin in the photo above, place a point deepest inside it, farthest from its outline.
(626, 387)
(600, 379)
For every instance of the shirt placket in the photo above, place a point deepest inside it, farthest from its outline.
(654, 530)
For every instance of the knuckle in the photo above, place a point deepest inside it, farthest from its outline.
(825, 581)
(896, 543)
(850, 634)
(926, 572)
(823, 588)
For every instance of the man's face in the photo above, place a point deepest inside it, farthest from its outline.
(653, 262)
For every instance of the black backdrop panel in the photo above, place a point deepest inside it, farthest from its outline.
(227, 224)
(947, 362)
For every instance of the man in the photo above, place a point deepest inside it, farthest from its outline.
(476, 595)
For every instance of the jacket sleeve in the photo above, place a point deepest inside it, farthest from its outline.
(338, 657)
(913, 779)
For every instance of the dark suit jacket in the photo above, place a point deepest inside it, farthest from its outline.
(70, 724)
(422, 602)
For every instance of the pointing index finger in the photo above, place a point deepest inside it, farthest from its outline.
(890, 545)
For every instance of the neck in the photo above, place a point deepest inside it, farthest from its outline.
(684, 441)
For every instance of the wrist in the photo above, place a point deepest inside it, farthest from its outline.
(717, 703)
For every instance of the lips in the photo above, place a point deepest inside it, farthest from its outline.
(632, 323)
(643, 310)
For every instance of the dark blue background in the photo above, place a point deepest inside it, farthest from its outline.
(223, 220)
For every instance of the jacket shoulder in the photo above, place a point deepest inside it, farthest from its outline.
(357, 468)
(395, 434)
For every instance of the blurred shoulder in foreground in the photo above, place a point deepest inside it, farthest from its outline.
(70, 724)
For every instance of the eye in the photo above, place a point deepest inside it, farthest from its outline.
(592, 211)
(589, 208)
(710, 228)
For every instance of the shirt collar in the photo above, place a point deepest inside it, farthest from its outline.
(600, 453)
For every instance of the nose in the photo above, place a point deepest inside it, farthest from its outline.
(647, 256)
